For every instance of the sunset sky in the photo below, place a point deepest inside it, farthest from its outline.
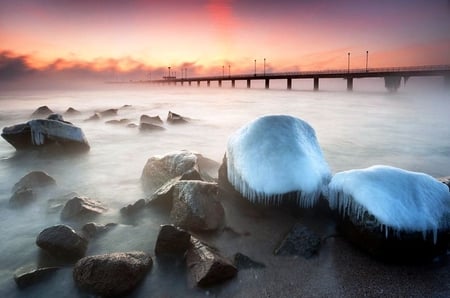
(136, 38)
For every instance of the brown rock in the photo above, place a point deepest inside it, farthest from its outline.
(172, 241)
(80, 207)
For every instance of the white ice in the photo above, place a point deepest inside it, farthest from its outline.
(274, 155)
(41, 128)
(399, 199)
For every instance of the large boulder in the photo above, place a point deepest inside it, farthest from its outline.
(206, 266)
(34, 179)
(63, 242)
(160, 169)
(277, 158)
(196, 206)
(79, 207)
(42, 111)
(300, 241)
(172, 241)
(112, 275)
(394, 214)
(29, 275)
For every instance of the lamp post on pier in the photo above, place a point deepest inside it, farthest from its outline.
(264, 66)
(255, 68)
(229, 70)
(169, 72)
(367, 61)
(348, 62)
(223, 71)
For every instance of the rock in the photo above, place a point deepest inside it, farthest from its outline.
(173, 118)
(150, 127)
(244, 262)
(92, 229)
(72, 112)
(172, 241)
(80, 207)
(94, 117)
(21, 197)
(151, 120)
(206, 266)
(196, 206)
(132, 125)
(299, 241)
(58, 117)
(112, 275)
(192, 174)
(63, 242)
(42, 111)
(29, 275)
(118, 122)
(162, 197)
(108, 113)
(57, 203)
(133, 208)
(160, 169)
(126, 107)
(445, 180)
(34, 179)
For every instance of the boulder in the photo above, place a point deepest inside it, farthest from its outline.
(162, 197)
(29, 275)
(196, 206)
(92, 229)
(150, 127)
(112, 275)
(108, 113)
(34, 179)
(42, 111)
(81, 207)
(94, 117)
(151, 120)
(72, 112)
(21, 197)
(58, 117)
(300, 241)
(174, 118)
(56, 204)
(63, 242)
(242, 261)
(206, 266)
(172, 241)
(133, 208)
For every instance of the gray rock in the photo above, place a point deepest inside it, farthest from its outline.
(94, 117)
(151, 119)
(172, 241)
(81, 207)
(63, 242)
(445, 180)
(92, 229)
(29, 275)
(299, 241)
(206, 266)
(108, 113)
(162, 197)
(42, 111)
(150, 127)
(133, 208)
(112, 275)
(244, 262)
(72, 112)
(196, 206)
(34, 179)
(22, 197)
(174, 118)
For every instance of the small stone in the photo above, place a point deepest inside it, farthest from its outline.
(172, 241)
(29, 275)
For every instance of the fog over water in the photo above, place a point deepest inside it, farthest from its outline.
(408, 129)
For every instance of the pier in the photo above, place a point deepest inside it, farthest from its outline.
(392, 76)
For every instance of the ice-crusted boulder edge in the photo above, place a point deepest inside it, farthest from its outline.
(277, 156)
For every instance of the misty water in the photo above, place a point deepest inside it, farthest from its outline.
(408, 129)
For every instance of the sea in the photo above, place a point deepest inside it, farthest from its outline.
(409, 129)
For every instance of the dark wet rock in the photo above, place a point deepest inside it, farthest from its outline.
(72, 112)
(160, 169)
(206, 266)
(174, 118)
(94, 117)
(22, 197)
(300, 241)
(108, 113)
(244, 262)
(92, 229)
(196, 206)
(79, 207)
(150, 127)
(172, 241)
(29, 275)
(132, 125)
(63, 242)
(34, 179)
(133, 208)
(42, 111)
(151, 120)
(445, 180)
(112, 275)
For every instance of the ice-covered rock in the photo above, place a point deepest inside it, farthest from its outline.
(274, 156)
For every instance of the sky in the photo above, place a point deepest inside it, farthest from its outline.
(137, 39)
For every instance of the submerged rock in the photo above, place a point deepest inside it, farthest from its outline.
(112, 275)
(206, 266)
(151, 120)
(172, 241)
(81, 207)
(108, 113)
(132, 125)
(72, 112)
(242, 261)
(63, 242)
(42, 111)
(174, 118)
(92, 229)
(94, 117)
(21, 197)
(133, 208)
(274, 158)
(393, 214)
(34, 179)
(29, 275)
(196, 206)
(299, 241)
(150, 127)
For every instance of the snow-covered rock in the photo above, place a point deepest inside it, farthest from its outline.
(277, 155)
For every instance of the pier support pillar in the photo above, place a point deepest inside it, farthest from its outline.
(267, 84)
(198, 83)
(248, 83)
(208, 83)
(289, 83)
(349, 84)
(190, 83)
(233, 83)
(182, 83)
(316, 84)
(447, 81)
(220, 83)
